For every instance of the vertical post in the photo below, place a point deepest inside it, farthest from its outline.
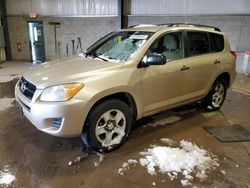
(121, 13)
(55, 39)
(3, 17)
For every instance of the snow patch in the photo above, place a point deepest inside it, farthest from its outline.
(185, 183)
(132, 161)
(6, 177)
(167, 141)
(127, 165)
(184, 160)
(5, 103)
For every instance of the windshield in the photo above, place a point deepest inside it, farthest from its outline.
(119, 46)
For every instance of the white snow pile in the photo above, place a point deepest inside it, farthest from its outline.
(189, 161)
(5, 103)
(101, 158)
(6, 178)
(127, 165)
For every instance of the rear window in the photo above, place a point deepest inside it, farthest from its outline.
(198, 43)
(217, 42)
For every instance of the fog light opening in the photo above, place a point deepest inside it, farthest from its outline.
(56, 123)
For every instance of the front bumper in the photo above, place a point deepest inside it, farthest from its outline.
(43, 114)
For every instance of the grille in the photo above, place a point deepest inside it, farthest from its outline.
(27, 88)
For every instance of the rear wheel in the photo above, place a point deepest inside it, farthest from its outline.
(216, 96)
(108, 125)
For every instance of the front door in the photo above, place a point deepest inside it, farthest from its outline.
(165, 85)
(36, 41)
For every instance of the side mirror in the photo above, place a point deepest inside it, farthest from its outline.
(154, 59)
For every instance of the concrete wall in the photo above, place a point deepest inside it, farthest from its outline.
(88, 29)
(18, 33)
(237, 27)
(91, 29)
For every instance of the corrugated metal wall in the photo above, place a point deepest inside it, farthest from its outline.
(135, 7)
(62, 7)
(165, 7)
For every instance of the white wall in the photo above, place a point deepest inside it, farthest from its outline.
(165, 7)
(62, 7)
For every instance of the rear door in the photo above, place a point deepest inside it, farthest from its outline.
(202, 61)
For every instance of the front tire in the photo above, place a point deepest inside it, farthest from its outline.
(108, 125)
(216, 96)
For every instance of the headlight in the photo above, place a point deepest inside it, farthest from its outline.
(61, 92)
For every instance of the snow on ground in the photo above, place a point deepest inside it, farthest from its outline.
(127, 165)
(167, 141)
(81, 158)
(6, 103)
(101, 158)
(186, 162)
(6, 178)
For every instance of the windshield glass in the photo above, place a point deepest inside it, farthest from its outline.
(119, 46)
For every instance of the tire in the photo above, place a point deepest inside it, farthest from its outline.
(216, 96)
(108, 125)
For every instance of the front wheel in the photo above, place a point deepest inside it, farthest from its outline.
(216, 96)
(108, 125)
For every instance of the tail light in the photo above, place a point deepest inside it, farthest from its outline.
(234, 54)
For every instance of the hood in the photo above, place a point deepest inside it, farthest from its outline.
(69, 70)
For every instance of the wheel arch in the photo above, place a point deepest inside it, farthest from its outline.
(123, 96)
(225, 76)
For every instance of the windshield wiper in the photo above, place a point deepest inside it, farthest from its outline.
(101, 58)
(94, 55)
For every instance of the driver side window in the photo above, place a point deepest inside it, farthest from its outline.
(170, 45)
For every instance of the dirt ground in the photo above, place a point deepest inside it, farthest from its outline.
(39, 160)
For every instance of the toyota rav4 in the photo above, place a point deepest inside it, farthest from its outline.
(126, 75)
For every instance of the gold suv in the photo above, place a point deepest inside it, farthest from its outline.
(126, 75)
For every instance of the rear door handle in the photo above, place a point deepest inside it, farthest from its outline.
(185, 68)
(216, 62)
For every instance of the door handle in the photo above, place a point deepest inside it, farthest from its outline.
(216, 62)
(185, 68)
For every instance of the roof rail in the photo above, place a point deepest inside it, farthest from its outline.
(189, 24)
(142, 25)
(175, 25)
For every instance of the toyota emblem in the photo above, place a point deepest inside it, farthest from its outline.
(23, 87)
